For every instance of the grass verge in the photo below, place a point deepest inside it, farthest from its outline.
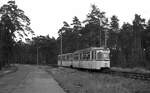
(75, 81)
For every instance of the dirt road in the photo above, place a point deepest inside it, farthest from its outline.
(29, 79)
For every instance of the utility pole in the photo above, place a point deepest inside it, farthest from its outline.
(61, 47)
(37, 56)
(106, 38)
(99, 33)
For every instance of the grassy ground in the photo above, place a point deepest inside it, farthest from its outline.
(75, 81)
(7, 70)
(135, 70)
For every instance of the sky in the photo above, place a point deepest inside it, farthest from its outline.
(47, 16)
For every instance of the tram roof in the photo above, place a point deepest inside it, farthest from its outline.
(65, 54)
(87, 49)
(92, 48)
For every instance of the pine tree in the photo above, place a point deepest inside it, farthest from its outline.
(137, 50)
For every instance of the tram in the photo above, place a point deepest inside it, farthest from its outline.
(89, 58)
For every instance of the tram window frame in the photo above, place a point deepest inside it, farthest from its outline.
(76, 57)
(81, 56)
(62, 58)
(93, 55)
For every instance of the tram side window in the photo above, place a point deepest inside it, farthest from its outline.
(81, 56)
(86, 55)
(67, 57)
(59, 58)
(70, 57)
(76, 57)
(63, 58)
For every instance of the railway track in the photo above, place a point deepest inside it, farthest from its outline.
(133, 75)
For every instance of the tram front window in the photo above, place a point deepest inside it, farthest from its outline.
(99, 56)
(106, 56)
(102, 56)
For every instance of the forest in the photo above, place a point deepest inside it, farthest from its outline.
(129, 43)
